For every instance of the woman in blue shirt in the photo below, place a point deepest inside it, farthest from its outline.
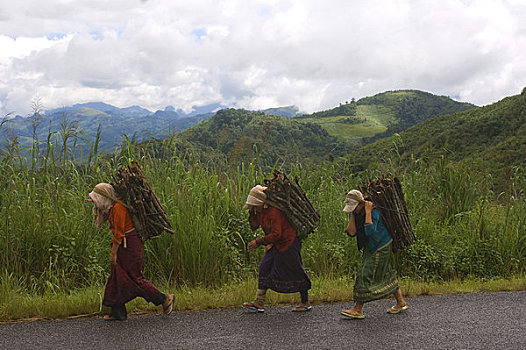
(376, 278)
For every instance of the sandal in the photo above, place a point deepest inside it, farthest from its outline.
(301, 308)
(395, 309)
(252, 306)
(352, 314)
(169, 308)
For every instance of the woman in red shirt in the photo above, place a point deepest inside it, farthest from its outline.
(281, 268)
(126, 281)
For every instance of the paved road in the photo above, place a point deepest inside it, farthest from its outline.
(463, 321)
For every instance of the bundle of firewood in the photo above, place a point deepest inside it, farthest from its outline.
(290, 198)
(148, 215)
(388, 197)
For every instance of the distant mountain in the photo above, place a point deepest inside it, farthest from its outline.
(289, 111)
(383, 114)
(167, 114)
(133, 111)
(84, 119)
(134, 121)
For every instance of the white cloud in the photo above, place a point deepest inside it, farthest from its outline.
(256, 54)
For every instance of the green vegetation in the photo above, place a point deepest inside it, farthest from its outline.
(412, 107)
(383, 114)
(241, 135)
(466, 229)
(489, 140)
(50, 246)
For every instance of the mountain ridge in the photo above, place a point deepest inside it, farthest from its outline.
(353, 122)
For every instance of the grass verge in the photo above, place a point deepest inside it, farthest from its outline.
(17, 307)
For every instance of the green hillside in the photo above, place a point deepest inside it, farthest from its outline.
(235, 135)
(383, 114)
(365, 121)
(490, 140)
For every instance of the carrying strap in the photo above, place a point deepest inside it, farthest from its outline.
(104, 194)
(355, 197)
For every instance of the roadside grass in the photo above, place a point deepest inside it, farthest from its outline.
(20, 307)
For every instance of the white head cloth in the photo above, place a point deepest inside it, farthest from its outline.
(256, 197)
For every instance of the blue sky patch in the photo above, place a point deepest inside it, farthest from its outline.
(96, 34)
(199, 33)
(55, 36)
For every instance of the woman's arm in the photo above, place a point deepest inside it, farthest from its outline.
(113, 253)
(351, 227)
(117, 225)
(118, 222)
(368, 210)
(277, 217)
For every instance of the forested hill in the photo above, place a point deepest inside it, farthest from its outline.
(383, 114)
(413, 106)
(239, 135)
(490, 139)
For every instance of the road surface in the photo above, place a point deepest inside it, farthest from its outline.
(461, 321)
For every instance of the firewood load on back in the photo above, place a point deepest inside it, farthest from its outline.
(388, 197)
(290, 198)
(148, 215)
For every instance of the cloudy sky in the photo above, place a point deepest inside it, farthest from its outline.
(256, 54)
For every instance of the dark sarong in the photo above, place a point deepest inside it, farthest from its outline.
(126, 281)
(283, 272)
(376, 278)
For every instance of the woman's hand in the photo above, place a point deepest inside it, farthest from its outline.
(368, 210)
(252, 245)
(351, 226)
(113, 257)
(113, 253)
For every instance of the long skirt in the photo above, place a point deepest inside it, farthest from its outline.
(376, 278)
(283, 272)
(126, 281)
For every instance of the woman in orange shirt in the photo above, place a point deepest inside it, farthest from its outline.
(126, 281)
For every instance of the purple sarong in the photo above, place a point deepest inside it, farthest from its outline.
(126, 281)
(283, 272)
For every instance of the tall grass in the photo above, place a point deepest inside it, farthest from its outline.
(48, 242)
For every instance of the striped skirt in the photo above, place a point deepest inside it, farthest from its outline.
(376, 278)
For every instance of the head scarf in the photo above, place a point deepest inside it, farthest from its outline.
(353, 198)
(256, 197)
(102, 196)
